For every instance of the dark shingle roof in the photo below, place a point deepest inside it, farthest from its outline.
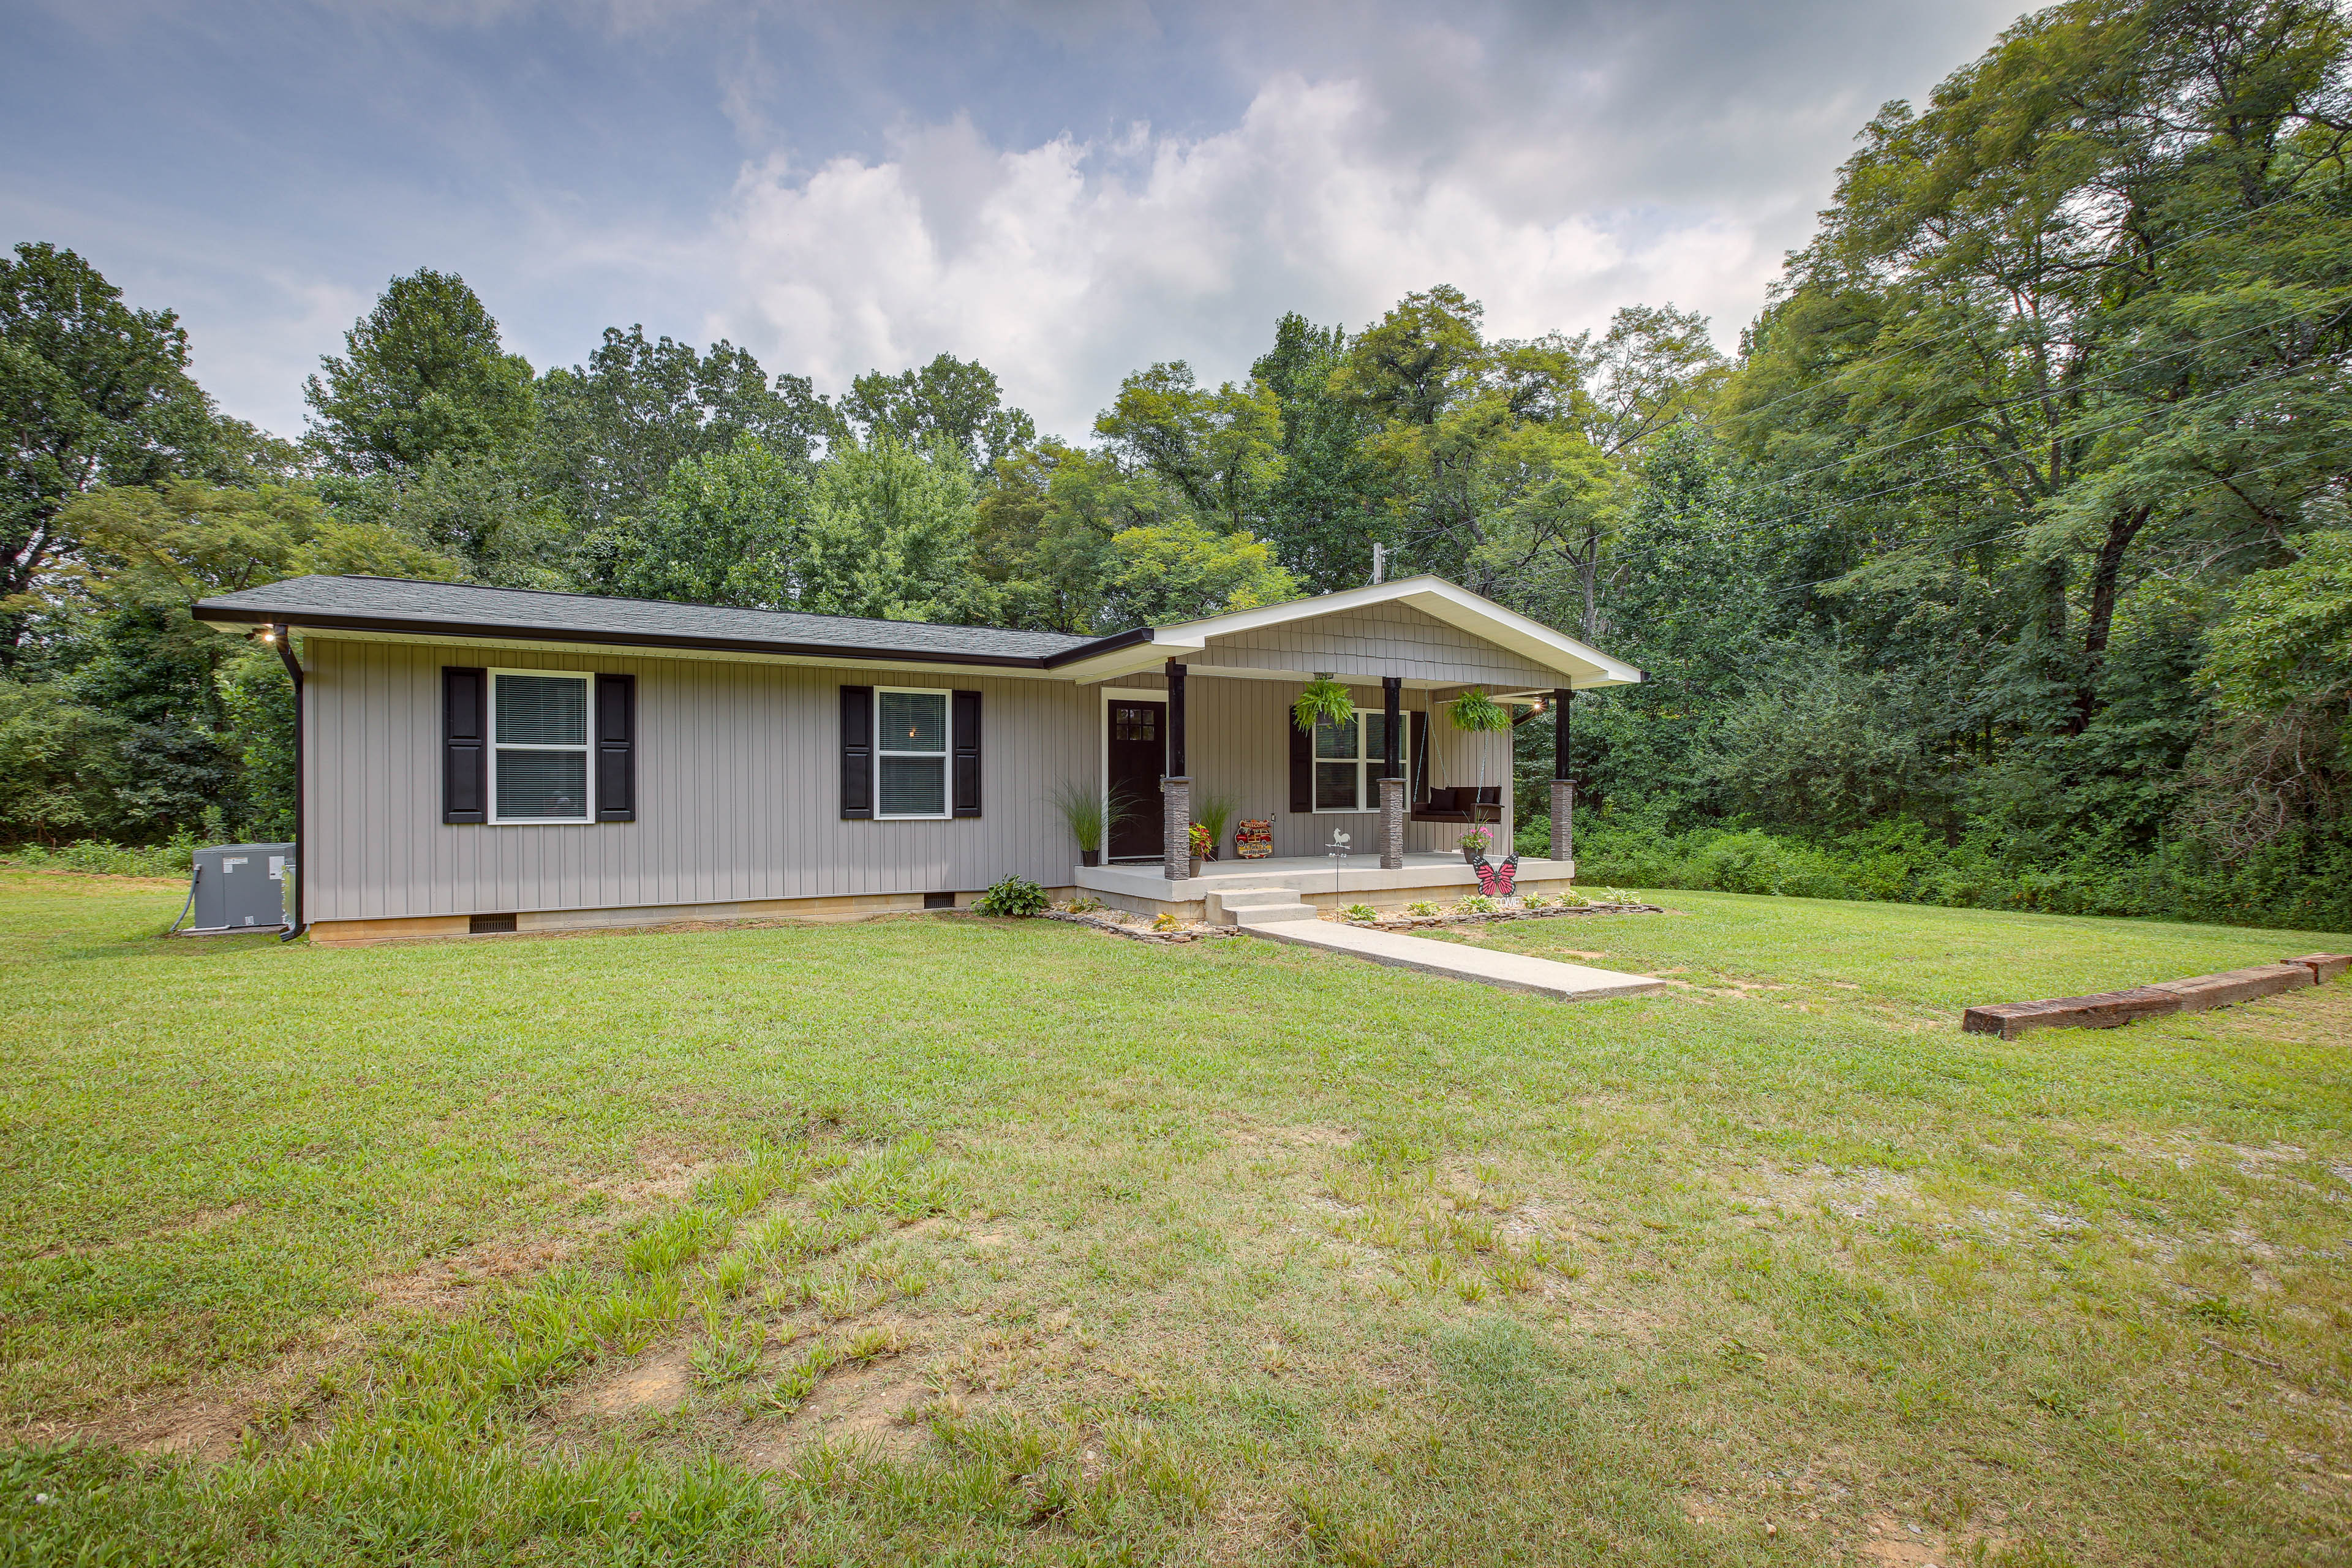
(393, 604)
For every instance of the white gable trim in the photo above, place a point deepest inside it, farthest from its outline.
(1584, 667)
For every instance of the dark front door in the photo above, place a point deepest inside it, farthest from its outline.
(1138, 749)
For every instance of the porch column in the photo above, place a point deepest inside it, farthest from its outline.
(1563, 788)
(1392, 774)
(1176, 789)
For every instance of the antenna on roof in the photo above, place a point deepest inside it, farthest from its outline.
(1379, 561)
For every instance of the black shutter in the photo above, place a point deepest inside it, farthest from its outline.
(967, 754)
(1418, 723)
(857, 752)
(1302, 766)
(465, 775)
(617, 748)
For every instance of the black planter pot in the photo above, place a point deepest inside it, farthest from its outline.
(1090, 857)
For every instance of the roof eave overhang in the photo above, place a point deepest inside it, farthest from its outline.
(233, 617)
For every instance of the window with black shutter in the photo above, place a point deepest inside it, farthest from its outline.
(617, 748)
(857, 752)
(465, 710)
(965, 730)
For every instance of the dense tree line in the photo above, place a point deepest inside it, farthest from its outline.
(2008, 561)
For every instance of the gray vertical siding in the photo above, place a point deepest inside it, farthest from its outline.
(738, 771)
(1379, 639)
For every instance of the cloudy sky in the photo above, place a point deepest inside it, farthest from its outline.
(1064, 190)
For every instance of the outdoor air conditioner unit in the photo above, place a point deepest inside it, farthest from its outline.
(239, 888)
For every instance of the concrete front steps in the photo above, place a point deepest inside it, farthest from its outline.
(1455, 961)
(1257, 907)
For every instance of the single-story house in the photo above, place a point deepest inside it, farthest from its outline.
(477, 760)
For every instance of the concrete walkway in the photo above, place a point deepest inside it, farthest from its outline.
(1459, 960)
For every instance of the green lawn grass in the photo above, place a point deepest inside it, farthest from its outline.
(935, 1239)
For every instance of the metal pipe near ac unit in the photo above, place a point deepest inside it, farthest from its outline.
(283, 637)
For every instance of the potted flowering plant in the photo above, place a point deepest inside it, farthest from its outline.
(1202, 842)
(1474, 843)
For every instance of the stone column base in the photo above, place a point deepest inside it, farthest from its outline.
(1391, 825)
(1176, 828)
(1563, 820)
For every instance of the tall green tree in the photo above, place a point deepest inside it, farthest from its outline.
(134, 732)
(954, 400)
(728, 529)
(612, 430)
(889, 533)
(1322, 511)
(1222, 450)
(423, 375)
(92, 392)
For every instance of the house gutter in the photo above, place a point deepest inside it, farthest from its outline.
(283, 635)
(212, 614)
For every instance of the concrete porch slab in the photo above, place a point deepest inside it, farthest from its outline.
(1318, 880)
(1458, 961)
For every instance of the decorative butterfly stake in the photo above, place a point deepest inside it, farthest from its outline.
(1507, 876)
(1488, 879)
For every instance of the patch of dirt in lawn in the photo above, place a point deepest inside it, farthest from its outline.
(1894, 1543)
(1311, 1136)
(658, 1380)
(1851, 1194)
(871, 1406)
(205, 1422)
(443, 1285)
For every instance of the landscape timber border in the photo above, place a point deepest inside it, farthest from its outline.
(2112, 1009)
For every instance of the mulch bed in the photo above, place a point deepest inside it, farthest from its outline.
(1462, 917)
(1136, 928)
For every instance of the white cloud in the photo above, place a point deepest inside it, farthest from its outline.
(1062, 266)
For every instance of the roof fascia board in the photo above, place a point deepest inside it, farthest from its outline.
(556, 644)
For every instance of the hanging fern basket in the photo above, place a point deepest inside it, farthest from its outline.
(1476, 713)
(1324, 698)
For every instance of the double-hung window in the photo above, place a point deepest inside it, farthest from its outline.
(911, 753)
(539, 746)
(1347, 762)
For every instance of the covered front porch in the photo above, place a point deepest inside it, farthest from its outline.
(1326, 882)
(1366, 805)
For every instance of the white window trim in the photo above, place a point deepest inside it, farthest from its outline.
(586, 748)
(946, 754)
(1367, 783)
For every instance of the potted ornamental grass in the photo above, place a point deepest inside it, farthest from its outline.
(1090, 815)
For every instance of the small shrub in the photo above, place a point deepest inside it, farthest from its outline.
(1361, 912)
(1015, 896)
(1084, 904)
(1536, 901)
(1163, 920)
(1477, 904)
(1421, 907)
(174, 859)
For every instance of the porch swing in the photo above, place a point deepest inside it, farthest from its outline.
(1467, 804)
